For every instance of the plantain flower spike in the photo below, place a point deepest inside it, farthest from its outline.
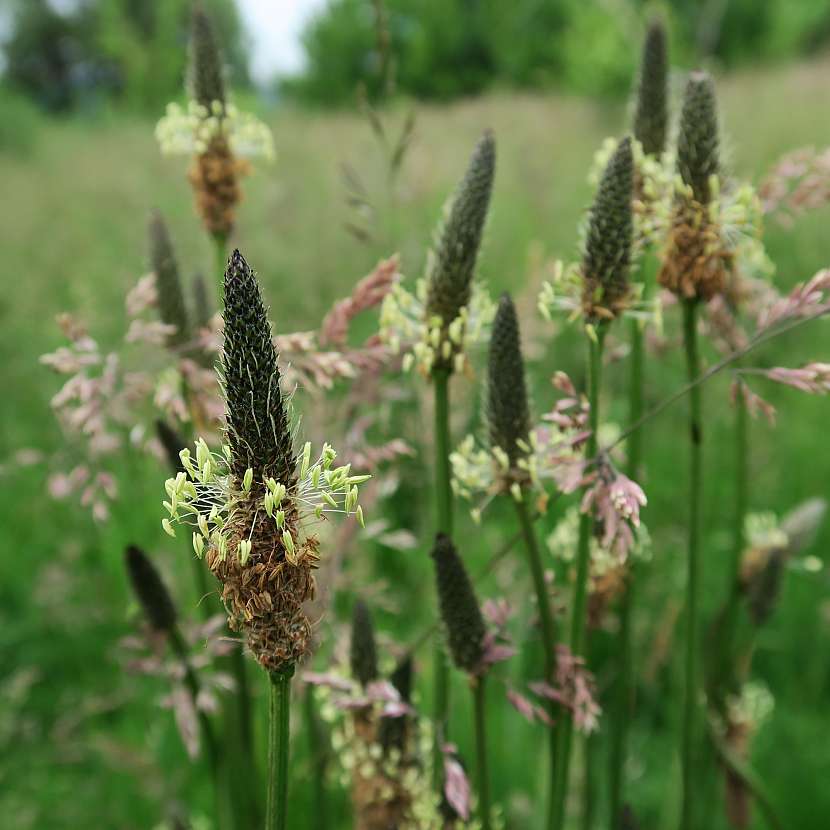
(393, 732)
(460, 612)
(363, 653)
(450, 273)
(508, 414)
(206, 81)
(651, 117)
(697, 140)
(698, 255)
(171, 304)
(151, 592)
(607, 255)
(249, 504)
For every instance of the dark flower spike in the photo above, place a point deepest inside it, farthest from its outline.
(393, 731)
(363, 654)
(453, 263)
(171, 305)
(205, 73)
(651, 115)
(697, 140)
(508, 414)
(459, 607)
(202, 306)
(607, 257)
(258, 424)
(150, 590)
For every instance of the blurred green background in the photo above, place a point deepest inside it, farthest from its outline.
(84, 745)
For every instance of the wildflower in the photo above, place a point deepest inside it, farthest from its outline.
(363, 653)
(460, 612)
(697, 255)
(508, 416)
(813, 378)
(250, 503)
(448, 313)
(651, 116)
(151, 592)
(169, 295)
(607, 253)
(214, 132)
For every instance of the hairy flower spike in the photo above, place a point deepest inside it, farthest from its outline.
(450, 272)
(363, 654)
(651, 116)
(150, 590)
(607, 254)
(206, 82)
(171, 304)
(508, 414)
(460, 610)
(258, 425)
(697, 140)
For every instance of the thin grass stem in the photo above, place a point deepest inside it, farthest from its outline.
(279, 724)
(480, 704)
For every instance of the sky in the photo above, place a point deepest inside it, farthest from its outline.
(274, 28)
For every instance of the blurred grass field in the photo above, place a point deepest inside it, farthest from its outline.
(83, 745)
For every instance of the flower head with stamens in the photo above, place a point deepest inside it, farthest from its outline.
(251, 504)
(448, 314)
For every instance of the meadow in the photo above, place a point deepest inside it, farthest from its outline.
(84, 744)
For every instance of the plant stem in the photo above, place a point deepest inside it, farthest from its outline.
(443, 517)
(220, 253)
(480, 703)
(577, 633)
(534, 559)
(624, 697)
(276, 810)
(688, 750)
(177, 644)
(319, 760)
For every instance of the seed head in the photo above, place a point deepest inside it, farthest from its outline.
(363, 655)
(171, 305)
(257, 415)
(508, 414)
(205, 73)
(697, 140)
(460, 611)
(450, 274)
(651, 116)
(203, 309)
(150, 590)
(392, 732)
(607, 254)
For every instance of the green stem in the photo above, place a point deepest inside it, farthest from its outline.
(577, 633)
(689, 738)
(480, 703)
(317, 751)
(177, 644)
(443, 516)
(624, 696)
(534, 558)
(276, 810)
(220, 253)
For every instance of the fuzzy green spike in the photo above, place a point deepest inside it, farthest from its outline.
(206, 80)
(258, 424)
(508, 414)
(651, 117)
(171, 305)
(607, 256)
(460, 611)
(363, 654)
(150, 590)
(697, 140)
(451, 270)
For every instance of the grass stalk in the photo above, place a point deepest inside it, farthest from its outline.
(220, 253)
(548, 630)
(624, 694)
(577, 632)
(443, 517)
(276, 810)
(689, 735)
(483, 775)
